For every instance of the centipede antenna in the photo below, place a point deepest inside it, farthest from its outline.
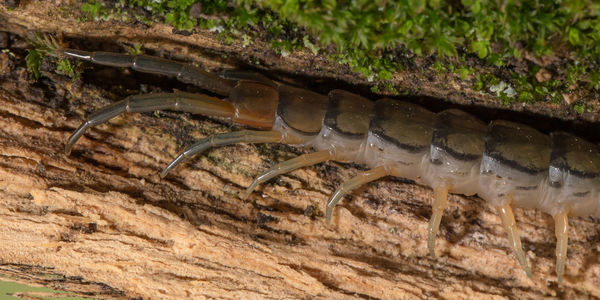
(288, 166)
(510, 226)
(218, 140)
(440, 202)
(356, 181)
(561, 230)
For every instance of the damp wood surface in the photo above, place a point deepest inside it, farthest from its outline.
(104, 224)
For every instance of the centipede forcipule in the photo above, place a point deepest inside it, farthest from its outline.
(505, 163)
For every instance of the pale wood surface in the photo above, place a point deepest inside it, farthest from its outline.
(103, 215)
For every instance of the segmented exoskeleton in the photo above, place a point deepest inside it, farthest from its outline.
(505, 163)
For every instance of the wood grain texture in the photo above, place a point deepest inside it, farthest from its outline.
(104, 215)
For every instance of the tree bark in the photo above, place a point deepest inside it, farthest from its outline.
(102, 216)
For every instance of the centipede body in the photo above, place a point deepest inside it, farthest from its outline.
(506, 165)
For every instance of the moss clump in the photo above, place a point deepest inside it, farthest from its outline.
(33, 60)
(65, 67)
(376, 37)
(45, 45)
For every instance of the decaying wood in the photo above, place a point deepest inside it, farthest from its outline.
(102, 215)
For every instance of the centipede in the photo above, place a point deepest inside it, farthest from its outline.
(505, 163)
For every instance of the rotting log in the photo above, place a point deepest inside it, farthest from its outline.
(103, 217)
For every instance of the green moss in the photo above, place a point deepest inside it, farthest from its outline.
(374, 37)
(464, 72)
(33, 61)
(579, 108)
(94, 9)
(12, 289)
(136, 49)
(46, 45)
(64, 67)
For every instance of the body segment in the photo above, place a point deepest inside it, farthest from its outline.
(454, 159)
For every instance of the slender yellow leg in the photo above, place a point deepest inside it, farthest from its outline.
(510, 225)
(440, 202)
(356, 181)
(561, 229)
(289, 165)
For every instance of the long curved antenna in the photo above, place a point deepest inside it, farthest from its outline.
(156, 65)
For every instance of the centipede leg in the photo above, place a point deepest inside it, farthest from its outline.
(179, 101)
(561, 230)
(290, 165)
(356, 181)
(510, 225)
(440, 202)
(218, 140)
